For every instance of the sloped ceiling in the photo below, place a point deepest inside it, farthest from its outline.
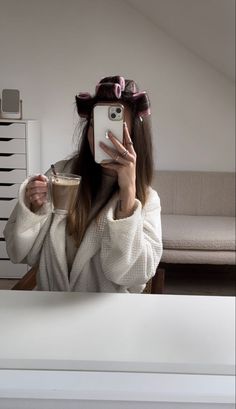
(205, 27)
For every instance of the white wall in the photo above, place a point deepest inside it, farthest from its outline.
(52, 49)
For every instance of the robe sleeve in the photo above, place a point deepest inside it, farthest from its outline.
(25, 231)
(132, 247)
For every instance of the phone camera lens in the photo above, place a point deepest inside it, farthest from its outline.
(113, 116)
(118, 110)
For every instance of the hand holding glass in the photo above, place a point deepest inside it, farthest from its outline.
(63, 191)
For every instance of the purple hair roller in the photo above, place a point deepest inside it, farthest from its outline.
(122, 83)
(145, 113)
(108, 89)
(138, 95)
(84, 95)
(117, 90)
(142, 100)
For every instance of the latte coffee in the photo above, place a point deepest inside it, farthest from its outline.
(64, 188)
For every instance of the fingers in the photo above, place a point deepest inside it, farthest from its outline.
(37, 194)
(38, 203)
(120, 153)
(36, 187)
(127, 140)
(122, 157)
(41, 178)
(37, 190)
(117, 144)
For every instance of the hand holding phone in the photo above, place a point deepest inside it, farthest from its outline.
(107, 117)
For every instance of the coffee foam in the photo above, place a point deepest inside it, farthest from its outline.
(66, 182)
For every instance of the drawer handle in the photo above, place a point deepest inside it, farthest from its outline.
(7, 184)
(5, 139)
(5, 124)
(6, 154)
(7, 198)
(7, 169)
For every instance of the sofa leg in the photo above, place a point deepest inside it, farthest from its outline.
(158, 281)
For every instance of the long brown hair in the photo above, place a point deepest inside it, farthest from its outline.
(83, 162)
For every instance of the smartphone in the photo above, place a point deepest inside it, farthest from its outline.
(107, 117)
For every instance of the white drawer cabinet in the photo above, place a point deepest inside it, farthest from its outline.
(9, 145)
(13, 270)
(6, 207)
(2, 225)
(13, 160)
(12, 129)
(10, 176)
(3, 252)
(19, 157)
(9, 190)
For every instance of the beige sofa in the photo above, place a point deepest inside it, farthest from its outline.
(198, 216)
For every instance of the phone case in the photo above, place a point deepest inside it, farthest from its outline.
(103, 123)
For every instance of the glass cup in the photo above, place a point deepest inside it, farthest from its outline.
(63, 191)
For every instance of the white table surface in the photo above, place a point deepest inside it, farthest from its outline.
(117, 332)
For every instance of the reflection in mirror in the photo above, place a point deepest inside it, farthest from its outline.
(91, 225)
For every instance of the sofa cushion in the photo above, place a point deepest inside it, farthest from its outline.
(198, 257)
(198, 232)
(196, 193)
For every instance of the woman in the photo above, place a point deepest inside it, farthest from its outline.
(111, 242)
